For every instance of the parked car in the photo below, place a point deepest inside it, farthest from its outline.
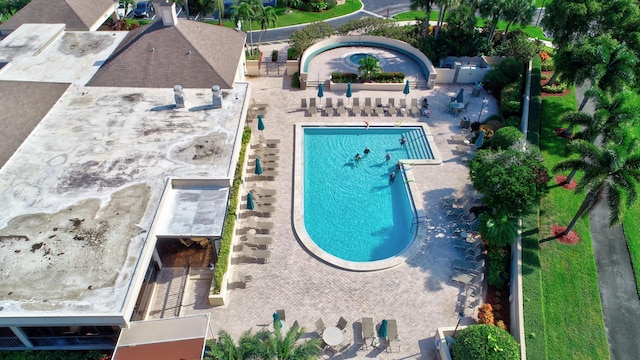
(144, 9)
(124, 9)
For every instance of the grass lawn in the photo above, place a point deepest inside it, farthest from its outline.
(417, 14)
(574, 321)
(532, 31)
(297, 17)
(631, 226)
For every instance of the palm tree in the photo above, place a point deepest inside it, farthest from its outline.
(248, 10)
(614, 170)
(498, 228)
(369, 65)
(444, 5)
(492, 9)
(219, 6)
(426, 5)
(518, 12)
(267, 18)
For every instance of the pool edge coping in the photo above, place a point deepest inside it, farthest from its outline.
(300, 230)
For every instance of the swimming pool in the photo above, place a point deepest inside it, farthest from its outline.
(349, 210)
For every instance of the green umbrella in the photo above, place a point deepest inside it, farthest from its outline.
(349, 91)
(406, 88)
(383, 330)
(277, 324)
(320, 91)
(258, 167)
(250, 203)
(260, 123)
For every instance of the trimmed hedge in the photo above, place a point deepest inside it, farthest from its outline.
(487, 342)
(383, 77)
(505, 137)
(230, 220)
(534, 323)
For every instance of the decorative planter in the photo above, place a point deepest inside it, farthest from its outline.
(292, 66)
(440, 338)
(475, 92)
(219, 299)
(253, 66)
(368, 86)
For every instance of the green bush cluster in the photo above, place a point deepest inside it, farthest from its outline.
(497, 266)
(301, 39)
(508, 71)
(506, 137)
(548, 65)
(292, 54)
(485, 342)
(510, 99)
(343, 77)
(230, 220)
(382, 77)
(557, 88)
(388, 77)
(295, 80)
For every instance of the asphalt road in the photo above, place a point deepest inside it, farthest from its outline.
(371, 8)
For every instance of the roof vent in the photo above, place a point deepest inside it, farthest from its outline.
(178, 94)
(216, 97)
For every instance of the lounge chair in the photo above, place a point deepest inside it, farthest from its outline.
(414, 102)
(368, 331)
(356, 101)
(313, 111)
(268, 174)
(355, 110)
(458, 138)
(392, 333)
(303, 103)
(378, 102)
(367, 101)
(467, 279)
(263, 225)
(465, 149)
(266, 141)
(260, 240)
(320, 327)
(263, 200)
(367, 110)
(392, 103)
(467, 266)
(342, 324)
(263, 209)
(263, 191)
(266, 151)
(328, 105)
(340, 110)
(281, 314)
(403, 103)
(257, 254)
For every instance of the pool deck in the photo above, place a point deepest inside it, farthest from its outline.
(418, 293)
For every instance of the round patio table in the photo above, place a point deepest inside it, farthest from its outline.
(332, 336)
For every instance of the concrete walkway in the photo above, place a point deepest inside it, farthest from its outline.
(620, 301)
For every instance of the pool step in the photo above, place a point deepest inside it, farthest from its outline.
(416, 145)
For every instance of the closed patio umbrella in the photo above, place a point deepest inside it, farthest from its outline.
(320, 91)
(480, 139)
(250, 204)
(260, 123)
(277, 324)
(406, 89)
(383, 330)
(258, 167)
(460, 96)
(349, 92)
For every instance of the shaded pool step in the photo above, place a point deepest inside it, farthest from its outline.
(416, 145)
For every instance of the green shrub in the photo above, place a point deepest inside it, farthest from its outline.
(508, 71)
(548, 65)
(557, 88)
(494, 117)
(486, 342)
(510, 108)
(343, 77)
(505, 137)
(252, 54)
(497, 266)
(230, 220)
(331, 4)
(305, 37)
(292, 54)
(388, 77)
(295, 80)
(513, 121)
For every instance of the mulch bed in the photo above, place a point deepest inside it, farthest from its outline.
(560, 179)
(543, 82)
(503, 313)
(569, 239)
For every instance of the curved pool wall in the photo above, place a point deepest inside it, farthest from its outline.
(414, 198)
(373, 41)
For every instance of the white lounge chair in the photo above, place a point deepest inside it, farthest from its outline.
(257, 254)
(263, 191)
(268, 142)
(368, 331)
(392, 333)
(264, 225)
(260, 240)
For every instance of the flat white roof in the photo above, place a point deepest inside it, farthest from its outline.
(79, 196)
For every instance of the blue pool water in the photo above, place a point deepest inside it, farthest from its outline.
(351, 210)
(355, 58)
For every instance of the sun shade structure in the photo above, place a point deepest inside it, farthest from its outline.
(258, 170)
(406, 90)
(349, 91)
(460, 96)
(250, 204)
(480, 139)
(320, 91)
(260, 123)
(383, 330)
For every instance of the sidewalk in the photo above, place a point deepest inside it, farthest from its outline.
(620, 302)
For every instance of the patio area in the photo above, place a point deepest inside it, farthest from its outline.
(419, 293)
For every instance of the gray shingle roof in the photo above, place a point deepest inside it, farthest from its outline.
(22, 105)
(77, 15)
(192, 54)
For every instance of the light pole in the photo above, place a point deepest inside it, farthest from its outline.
(485, 101)
(460, 316)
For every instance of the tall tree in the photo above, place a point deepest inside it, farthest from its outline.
(517, 12)
(613, 169)
(267, 18)
(368, 66)
(493, 10)
(444, 6)
(248, 10)
(427, 6)
(219, 6)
